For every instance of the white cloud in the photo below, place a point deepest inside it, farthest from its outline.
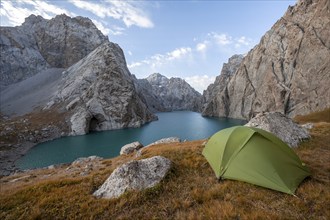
(201, 47)
(130, 53)
(17, 11)
(158, 60)
(178, 53)
(135, 64)
(200, 82)
(243, 41)
(221, 39)
(131, 14)
(120, 10)
(103, 27)
(97, 9)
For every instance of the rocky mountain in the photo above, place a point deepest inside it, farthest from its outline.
(77, 82)
(216, 95)
(99, 93)
(163, 94)
(39, 44)
(287, 72)
(96, 91)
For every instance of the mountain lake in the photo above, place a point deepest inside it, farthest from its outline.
(183, 124)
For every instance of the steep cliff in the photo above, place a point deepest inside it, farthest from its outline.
(100, 93)
(287, 72)
(39, 44)
(215, 97)
(163, 94)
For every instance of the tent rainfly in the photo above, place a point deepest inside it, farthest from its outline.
(255, 156)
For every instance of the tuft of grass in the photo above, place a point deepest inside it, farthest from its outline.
(189, 191)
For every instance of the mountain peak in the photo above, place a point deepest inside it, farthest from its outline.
(157, 79)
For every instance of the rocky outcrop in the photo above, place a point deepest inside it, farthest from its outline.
(163, 94)
(134, 175)
(166, 141)
(287, 72)
(130, 148)
(216, 95)
(280, 125)
(100, 93)
(39, 44)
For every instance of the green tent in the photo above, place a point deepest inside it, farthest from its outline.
(255, 156)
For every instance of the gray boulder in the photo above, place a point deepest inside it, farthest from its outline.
(280, 125)
(130, 148)
(134, 175)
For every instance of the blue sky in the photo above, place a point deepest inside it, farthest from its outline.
(187, 39)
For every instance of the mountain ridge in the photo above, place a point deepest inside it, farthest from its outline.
(168, 94)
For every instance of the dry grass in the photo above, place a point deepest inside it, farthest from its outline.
(190, 190)
(321, 116)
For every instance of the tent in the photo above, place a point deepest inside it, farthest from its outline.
(255, 156)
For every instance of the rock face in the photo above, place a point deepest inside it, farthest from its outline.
(216, 95)
(163, 94)
(39, 44)
(280, 125)
(100, 93)
(134, 175)
(145, 91)
(130, 148)
(287, 72)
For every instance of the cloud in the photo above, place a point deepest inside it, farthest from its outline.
(221, 39)
(178, 53)
(129, 13)
(200, 82)
(201, 47)
(134, 64)
(101, 27)
(243, 41)
(157, 60)
(17, 11)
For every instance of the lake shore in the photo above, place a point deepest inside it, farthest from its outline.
(190, 190)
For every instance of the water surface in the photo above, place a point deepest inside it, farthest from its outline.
(183, 124)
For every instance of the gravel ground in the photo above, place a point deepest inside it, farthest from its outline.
(22, 97)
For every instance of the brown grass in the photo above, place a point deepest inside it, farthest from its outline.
(190, 190)
(321, 116)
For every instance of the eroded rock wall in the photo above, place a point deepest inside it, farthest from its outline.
(287, 72)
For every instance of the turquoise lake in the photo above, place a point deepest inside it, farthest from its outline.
(183, 124)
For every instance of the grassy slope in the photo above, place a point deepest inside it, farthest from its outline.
(190, 191)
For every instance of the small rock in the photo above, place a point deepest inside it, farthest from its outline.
(134, 175)
(130, 148)
(86, 159)
(165, 141)
(308, 126)
(138, 153)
